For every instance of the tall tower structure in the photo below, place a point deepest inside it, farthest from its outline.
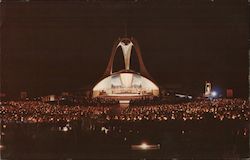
(208, 89)
(126, 44)
(126, 83)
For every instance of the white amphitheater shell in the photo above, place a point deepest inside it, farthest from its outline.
(125, 84)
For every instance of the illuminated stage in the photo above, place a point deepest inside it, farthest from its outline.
(125, 84)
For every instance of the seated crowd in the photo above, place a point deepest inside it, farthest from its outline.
(37, 111)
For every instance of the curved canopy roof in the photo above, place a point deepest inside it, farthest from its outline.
(125, 82)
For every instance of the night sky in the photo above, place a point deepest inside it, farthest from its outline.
(54, 46)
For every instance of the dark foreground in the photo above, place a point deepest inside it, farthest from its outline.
(89, 139)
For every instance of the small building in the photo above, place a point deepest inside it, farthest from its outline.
(208, 89)
(229, 93)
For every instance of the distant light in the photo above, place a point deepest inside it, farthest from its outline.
(65, 129)
(214, 94)
(1, 147)
(144, 146)
(105, 130)
(180, 95)
(124, 101)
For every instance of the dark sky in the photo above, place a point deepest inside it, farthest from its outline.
(51, 46)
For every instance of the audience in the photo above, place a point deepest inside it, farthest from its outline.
(37, 111)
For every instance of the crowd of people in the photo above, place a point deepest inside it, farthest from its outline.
(195, 110)
(37, 111)
(146, 101)
(100, 101)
